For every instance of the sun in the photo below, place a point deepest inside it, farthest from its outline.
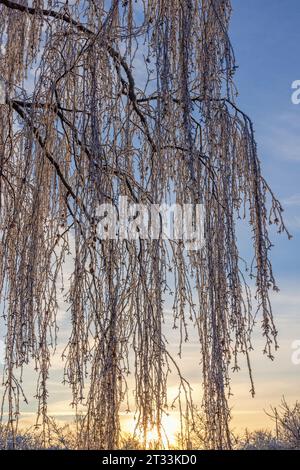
(169, 430)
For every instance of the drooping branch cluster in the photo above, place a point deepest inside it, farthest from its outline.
(135, 99)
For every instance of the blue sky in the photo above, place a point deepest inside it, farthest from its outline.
(265, 35)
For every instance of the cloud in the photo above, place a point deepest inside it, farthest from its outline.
(292, 222)
(293, 200)
(281, 138)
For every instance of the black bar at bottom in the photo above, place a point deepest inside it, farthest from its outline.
(137, 459)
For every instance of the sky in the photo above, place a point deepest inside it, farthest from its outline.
(265, 35)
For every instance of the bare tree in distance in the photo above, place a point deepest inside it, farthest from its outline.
(104, 99)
